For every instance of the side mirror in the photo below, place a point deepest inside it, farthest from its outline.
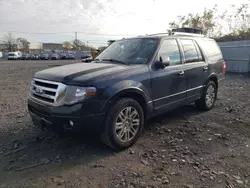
(165, 60)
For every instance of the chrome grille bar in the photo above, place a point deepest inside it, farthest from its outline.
(46, 91)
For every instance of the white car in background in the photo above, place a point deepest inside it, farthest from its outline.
(14, 55)
(1, 54)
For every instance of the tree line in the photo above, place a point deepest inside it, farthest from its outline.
(230, 25)
(10, 43)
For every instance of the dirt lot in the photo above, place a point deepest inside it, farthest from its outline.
(183, 148)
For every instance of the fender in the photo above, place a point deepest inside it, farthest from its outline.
(212, 75)
(123, 87)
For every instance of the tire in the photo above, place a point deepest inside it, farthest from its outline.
(206, 102)
(115, 115)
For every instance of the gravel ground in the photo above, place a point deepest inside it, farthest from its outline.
(183, 148)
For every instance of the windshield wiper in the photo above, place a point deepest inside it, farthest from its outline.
(115, 60)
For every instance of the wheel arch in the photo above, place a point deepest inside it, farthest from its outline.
(214, 78)
(133, 90)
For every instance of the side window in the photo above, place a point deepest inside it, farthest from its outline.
(210, 48)
(170, 48)
(190, 51)
(201, 58)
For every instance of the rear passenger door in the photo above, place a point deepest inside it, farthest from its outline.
(196, 68)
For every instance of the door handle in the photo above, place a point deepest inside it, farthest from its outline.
(181, 73)
(205, 68)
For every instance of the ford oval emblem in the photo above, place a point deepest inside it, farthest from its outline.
(39, 90)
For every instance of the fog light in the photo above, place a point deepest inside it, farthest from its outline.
(71, 123)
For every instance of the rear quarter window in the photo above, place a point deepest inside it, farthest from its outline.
(210, 49)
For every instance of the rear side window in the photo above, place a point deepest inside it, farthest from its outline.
(190, 51)
(211, 49)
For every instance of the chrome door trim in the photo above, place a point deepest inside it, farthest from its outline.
(199, 87)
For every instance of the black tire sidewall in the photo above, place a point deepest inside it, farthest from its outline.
(114, 112)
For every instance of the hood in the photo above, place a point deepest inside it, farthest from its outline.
(86, 73)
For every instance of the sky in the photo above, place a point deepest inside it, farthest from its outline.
(95, 21)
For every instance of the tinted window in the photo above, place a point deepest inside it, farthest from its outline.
(131, 51)
(210, 48)
(201, 58)
(170, 48)
(190, 51)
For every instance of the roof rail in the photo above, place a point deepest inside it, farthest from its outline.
(155, 34)
(187, 34)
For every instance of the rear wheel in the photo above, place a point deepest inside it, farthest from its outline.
(123, 125)
(206, 102)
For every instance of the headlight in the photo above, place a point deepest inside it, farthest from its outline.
(76, 94)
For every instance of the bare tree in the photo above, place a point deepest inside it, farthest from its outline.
(237, 18)
(23, 44)
(232, 24)
(204, 21)
(79, 45)
(9, 42)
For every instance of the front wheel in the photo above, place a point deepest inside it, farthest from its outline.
(206, 102)
(123, 125)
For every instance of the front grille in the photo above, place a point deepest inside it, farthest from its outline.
(44, 98)
(45, 84)
(46, 91)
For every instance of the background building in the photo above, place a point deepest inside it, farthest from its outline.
(52, 46)
(36, 46)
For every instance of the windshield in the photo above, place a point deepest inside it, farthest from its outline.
(130, 51)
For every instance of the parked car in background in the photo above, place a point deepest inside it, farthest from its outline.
(1, 54)
(26, 57)
(35, 57)
(44, 57)
(23, 57)
(87, 57)
(64, 56)
(14, 55)
(87, 60)
(71, 56)
(55, 56)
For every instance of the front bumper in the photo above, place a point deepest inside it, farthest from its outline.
(59, 118)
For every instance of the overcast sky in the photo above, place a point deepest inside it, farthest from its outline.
(94, 20)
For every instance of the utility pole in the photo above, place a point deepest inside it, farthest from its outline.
(76, 40)
(75, 35)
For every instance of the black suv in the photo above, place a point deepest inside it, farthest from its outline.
(132, 80)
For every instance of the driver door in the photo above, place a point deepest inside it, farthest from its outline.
(169, 83)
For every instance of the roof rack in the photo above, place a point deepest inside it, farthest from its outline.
(187, 34)
(188, 30)
(184, 31)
